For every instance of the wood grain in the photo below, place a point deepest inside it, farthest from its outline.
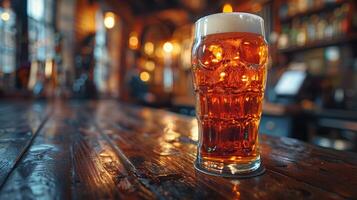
(19, 123)
(110, 150)
(167, 148)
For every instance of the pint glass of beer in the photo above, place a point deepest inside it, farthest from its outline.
(229, 66)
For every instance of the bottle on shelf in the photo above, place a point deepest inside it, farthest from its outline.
(320, 29)
(329, 31)
(301, 35)
(294, 32)
(345, 25)
(311, 28)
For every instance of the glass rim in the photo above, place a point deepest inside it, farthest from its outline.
(229, 22)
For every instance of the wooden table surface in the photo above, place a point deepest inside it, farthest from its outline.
(108, 150)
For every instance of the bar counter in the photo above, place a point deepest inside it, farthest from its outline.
(109, 150)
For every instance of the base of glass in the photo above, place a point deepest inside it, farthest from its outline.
(241, 170)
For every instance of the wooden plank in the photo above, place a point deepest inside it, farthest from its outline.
(44, 171)
(108, 150)
(160, 147)
(69, 159)
(98, 171)
(330, 170)
(19, 123)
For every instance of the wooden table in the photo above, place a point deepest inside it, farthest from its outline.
(106, 150)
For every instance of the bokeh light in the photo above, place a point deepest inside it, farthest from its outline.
(149, 48)
(150, 65)
(133, 40)
(227, 8)
(144, 76)
(5, 16)
(109, 20)
(168, 47)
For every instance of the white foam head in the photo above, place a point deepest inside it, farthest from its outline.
(229, 22)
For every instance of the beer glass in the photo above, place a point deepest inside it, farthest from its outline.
(229, 67)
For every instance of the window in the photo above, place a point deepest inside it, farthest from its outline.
(35, 9)
(41, 29)
(7, 41)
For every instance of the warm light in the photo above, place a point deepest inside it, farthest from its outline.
(109, 20)
(244, 78)
(227, 8)
(236, 189)
(168, 47)
(222, 75)
(48, 68)
(149, 48)
(5, 16)
(33, 75)
(150, 65)
(217, 51)
(194, 130)
(144, 76)
(133, 41)
(159, 52)
(177, 48)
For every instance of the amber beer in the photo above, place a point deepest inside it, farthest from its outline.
(229, 59)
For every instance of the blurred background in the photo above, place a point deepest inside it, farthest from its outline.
(139, 52)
